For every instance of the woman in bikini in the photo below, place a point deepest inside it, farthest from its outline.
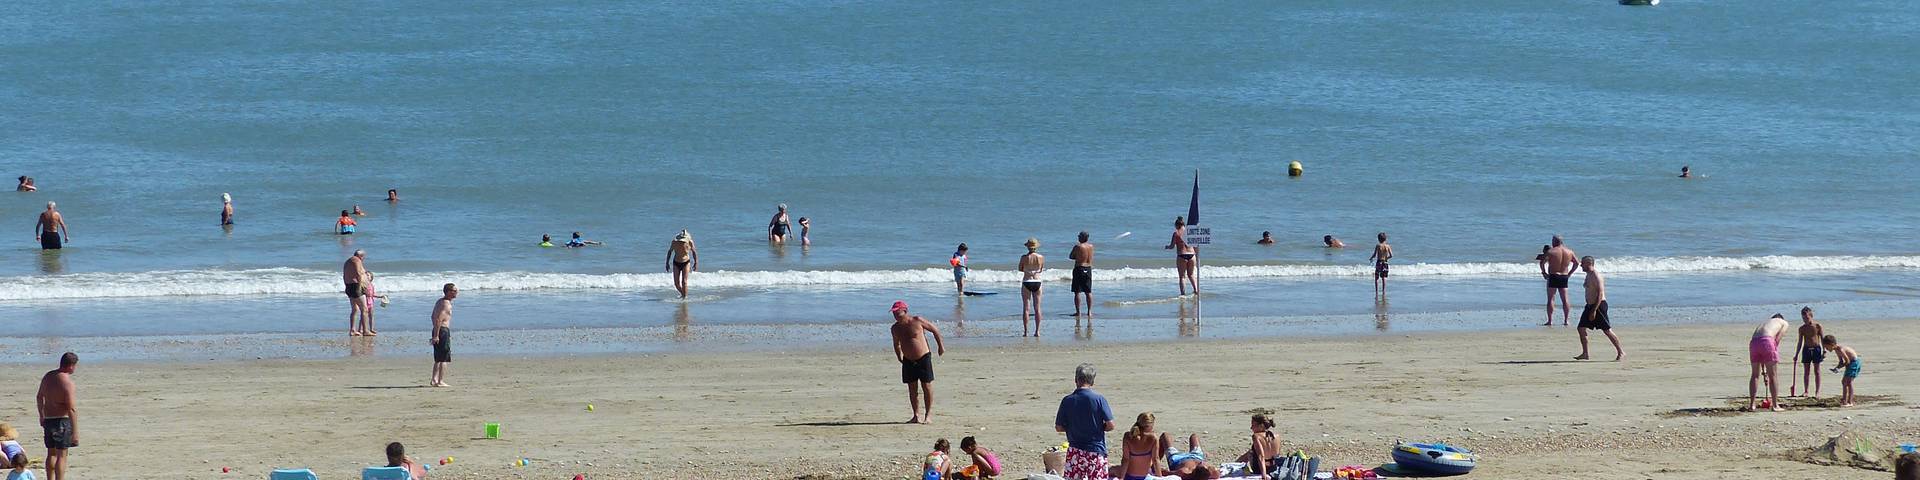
(682, 259)
(1266, 445)
(1030, 266)
(1186, 258)
(1143, 449)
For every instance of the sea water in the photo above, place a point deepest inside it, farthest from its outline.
(1468, 131)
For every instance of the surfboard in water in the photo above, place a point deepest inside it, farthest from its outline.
(971, 293)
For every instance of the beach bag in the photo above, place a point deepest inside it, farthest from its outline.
(1054, 462)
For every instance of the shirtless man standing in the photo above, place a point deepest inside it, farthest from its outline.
(1082, 256)
(354, 275)
(1557, 269)
(1807, 351)
(1594, 317)
(916, 360)
(58, 416)
(1031, 265)
(1763, 352)
(51, 230)
(442, 339)
(1381, 254)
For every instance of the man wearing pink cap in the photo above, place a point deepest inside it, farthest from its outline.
(916, 360)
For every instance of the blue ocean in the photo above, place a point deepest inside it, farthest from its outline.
(1470, 132)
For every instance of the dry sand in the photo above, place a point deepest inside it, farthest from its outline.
(1513, 396)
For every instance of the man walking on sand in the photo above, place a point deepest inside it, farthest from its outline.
(1594, 317)
(1085, 417)
(916, 360)
(1557, 269)
(1082, 256)
(51, 230)
(58, 416)
(1763, 352)
(442, 340)
(354, 275)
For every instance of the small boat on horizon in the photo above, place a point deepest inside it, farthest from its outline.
(1645, 3)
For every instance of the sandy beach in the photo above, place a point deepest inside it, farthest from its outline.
(1513, 396)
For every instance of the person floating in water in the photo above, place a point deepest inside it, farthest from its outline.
(358, 212)
(682, 259)
(1266, 238)
(546, 241)
(393, 196)
(345, 225)
(226, 209)
(1686, 171)
(577, 242)
(778, 227)
(1332, 242)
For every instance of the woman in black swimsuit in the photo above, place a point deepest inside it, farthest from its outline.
(778, 227)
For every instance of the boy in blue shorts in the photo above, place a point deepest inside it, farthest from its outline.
(1848, 358)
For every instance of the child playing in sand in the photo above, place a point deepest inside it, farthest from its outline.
(1849, 359)
(1142, 448)
(986, 464)
(938, 464)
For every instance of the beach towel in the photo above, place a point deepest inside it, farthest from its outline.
(292, 474)
(385, 473)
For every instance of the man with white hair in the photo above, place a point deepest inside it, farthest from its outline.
(1085, 417)
(354, 274)
(51, 230)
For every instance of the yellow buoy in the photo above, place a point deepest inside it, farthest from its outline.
(1293, 169)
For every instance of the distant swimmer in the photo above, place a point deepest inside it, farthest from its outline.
(345, 224)
(1031, 265)
(1332, 242)
(1266, 238)
(1686, 171)
(682, 258)
(358, 212)
(1082, 256)
(916, 360)
(577, 242)
(959, 262)
(1763, 353)
(393, 196)
(354, 274)
(51, 230)
(226, 209)
(1594, 317)
(1186, 259)
(26, 185)
(778, 227)
(1558, 267)
(805, 226)
(546, 241)
(1382, 252)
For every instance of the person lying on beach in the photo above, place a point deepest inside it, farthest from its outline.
(577, 242)
(1332, 242)
(1266, 238)
(986, 464)
(1142, 449)
(1850, 360)
(1191, 464)
(1266, 445)
(397, 457)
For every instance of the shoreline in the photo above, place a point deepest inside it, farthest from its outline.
(1514, 398)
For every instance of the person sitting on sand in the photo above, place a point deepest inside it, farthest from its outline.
(1266, 238)
(397, 457)
(12, 456)
(939, 463)
(1142, 449)
(986, 464)
(1847, 358)
(1266, 445)
(1763, 352)
(1190, 464)
(345, 225)
(1332, 242)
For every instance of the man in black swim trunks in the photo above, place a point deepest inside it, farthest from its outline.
(1082, 256)
(1557, 269)
(354, 275)
(916, 360)
(51, 229)
(1594, 317)
(442, 339)
(57, 415)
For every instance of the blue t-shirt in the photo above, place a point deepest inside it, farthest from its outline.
(1084, 414)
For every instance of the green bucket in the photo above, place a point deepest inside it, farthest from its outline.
(493, 430)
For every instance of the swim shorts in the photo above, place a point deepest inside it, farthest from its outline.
(1813, 355)
(1032, 285)
(1380, 269)
(1082, 279)
(1763, 350)
(59, 432)
(49, 241)
(960, 273)
(918, 370)
(354, 291)
(1557, 281)
(1595, 317)
(1174, 456)
(1853, 368)
(443, 351)
(1082, 464)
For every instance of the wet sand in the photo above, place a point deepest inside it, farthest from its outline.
(1515, 396)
